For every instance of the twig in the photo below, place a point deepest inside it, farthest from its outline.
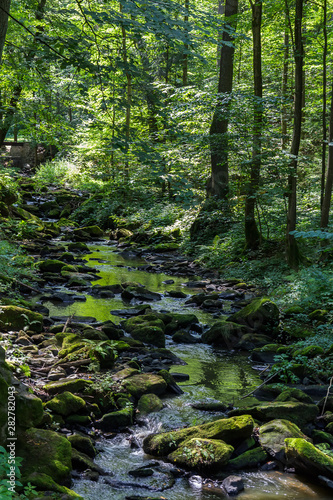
(69, 319)
(327, 394)
(259, 386)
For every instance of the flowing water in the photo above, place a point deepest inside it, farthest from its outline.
(213, 375)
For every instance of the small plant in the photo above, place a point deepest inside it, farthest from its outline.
(11, 466)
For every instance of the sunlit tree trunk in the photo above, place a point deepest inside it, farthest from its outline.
(128, 96)
(292, 248)
(218, 184)
(4, 10)
(252, 234)
(185, 56)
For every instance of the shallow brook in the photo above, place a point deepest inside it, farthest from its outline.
(214, 375)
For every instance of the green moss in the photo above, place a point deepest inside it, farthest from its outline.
(291, 394)
(45, 452)
(261, 314)
(273, 434)
(71, 385)
(230, 430)
(145, 383)
(224, 333)
(200, 453)
(44, 482)
(307, 459)
(66, 403)
(17, 318)
(249, 459)
(115, 420)
(82, 443)
(51, 266)
(149, 403)
(310, 351)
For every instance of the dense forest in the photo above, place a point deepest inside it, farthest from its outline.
(197, 135)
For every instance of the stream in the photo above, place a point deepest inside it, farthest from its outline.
(214, 375)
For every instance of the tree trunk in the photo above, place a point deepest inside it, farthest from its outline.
(128, 97)
(218, 183)
(252, 234)
(185, 57)
(4, 10)
(329, 180)
(292, 248)
(284, 119)
(324, 125)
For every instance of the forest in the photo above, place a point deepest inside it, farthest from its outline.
(144, 144)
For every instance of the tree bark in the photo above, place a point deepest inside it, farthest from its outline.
(324, 125)
(252, 234)
(329, 179)
(185, 57)
(4, 10)
(284, 119)
(218, 184)
(292, 247)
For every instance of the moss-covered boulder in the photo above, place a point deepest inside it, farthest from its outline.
(261, 315)
(83, 444)
(265, 354)
(139, 293)
(51, 266)
(273, 434)
(45, 452)
(322, 437)
(17, 318)
(307, 459)
(82, 462)
(231, 430)
(224, 333)
(298, 413)
(88, 232)
(78, 246)
(147, 328)
(43, 482)
(145, 383)
(65, 404)
(293, 394)
(29, 408)
(200, 454)
(67, 384)
(115, 420)
(179, 322)
(249, 459)
(149, 403)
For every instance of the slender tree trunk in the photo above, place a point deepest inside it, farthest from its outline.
(4, 10)
(218, 184)
(324, 125)
(185, 56)
(329, 180)
(292, 248)
(128, 96)
(252, 234)
(284, 119)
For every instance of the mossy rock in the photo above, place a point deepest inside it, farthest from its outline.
(92, 231)
(152, 335)
(65, 404)
(116, 420)
(224, 333)
(67, 384)
(291, 311)
(51, 266)
(249, 459)
(75, 419)
(307, 459)
(145, 383)
(322, 437)
(29, 408)
(130, 324)
(265, 354)
(319, 315)
(292, 394)
(261, 315)
(311, 351)
(17, 318)
(298, 413)
(201, 454)
(298, 331)
(82, 462)
(43, 482)
(83, 444)
(78, 246)
(231, 430)
(273, 434)
(179, 322)
(149, 403)
(45, 452)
